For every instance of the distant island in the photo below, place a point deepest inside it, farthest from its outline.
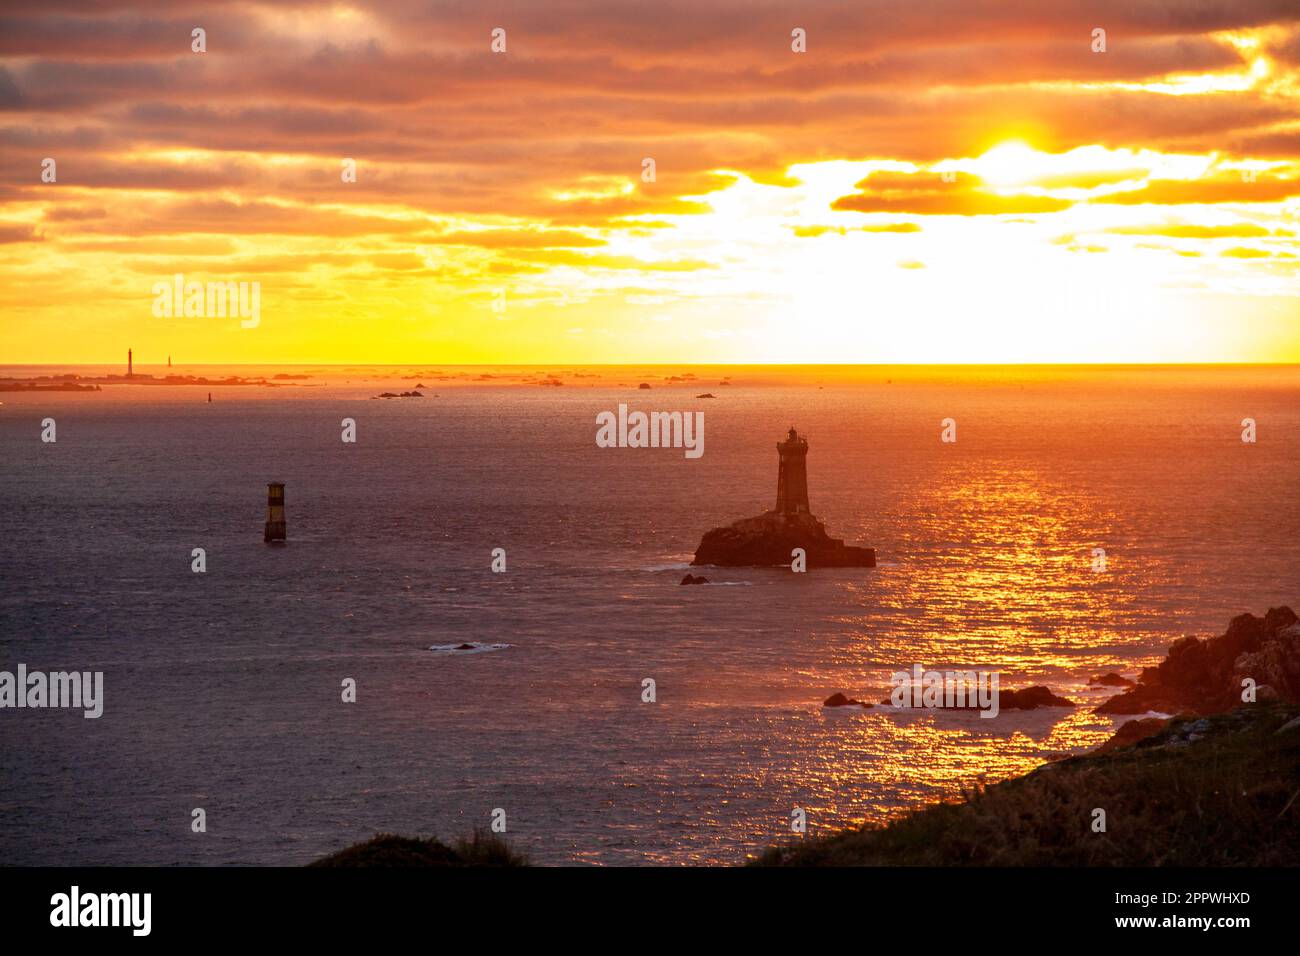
(72, 382)
(92, 383)
(15, 385)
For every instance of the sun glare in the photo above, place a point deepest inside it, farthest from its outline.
(1008, 164)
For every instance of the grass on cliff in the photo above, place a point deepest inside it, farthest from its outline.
(1217, 791)
(389, 850)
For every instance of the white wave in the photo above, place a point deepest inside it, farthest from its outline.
(467, 647)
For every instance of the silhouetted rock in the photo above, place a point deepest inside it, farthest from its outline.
(1205, 676)
(692, 579)
(1031, 698)
(706, 395)
(1110, 680)
(839, 700)
(769, 539)
(1131, 731)
(644, 385)
(390, 851)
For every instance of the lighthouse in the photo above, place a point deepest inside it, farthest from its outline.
(275, 531)
(775, 537)
(792, 475)
(130, 370)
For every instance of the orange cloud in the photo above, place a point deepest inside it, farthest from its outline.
(928, 194)
(524, 170)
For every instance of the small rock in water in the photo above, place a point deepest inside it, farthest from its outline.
(693, 579)
(1110, 680)
(839, 700)
(1031, 698)
(468, 648)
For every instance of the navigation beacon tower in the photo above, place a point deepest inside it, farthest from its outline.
(275, 527)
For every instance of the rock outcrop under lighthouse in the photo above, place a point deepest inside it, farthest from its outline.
(768, 539)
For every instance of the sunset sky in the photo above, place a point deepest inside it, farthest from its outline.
(1139, 204)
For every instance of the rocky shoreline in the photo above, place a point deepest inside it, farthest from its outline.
(1209, 676)
(1213, 785)
(1214, 791)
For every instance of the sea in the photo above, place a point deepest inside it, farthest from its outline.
(1084, 519)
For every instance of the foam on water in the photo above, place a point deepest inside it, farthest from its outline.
(468, 647)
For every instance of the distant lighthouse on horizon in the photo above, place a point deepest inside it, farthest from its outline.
(129, 365)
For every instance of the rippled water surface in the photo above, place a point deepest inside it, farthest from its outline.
(223, 689)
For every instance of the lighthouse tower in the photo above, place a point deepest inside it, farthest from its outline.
(792, 475)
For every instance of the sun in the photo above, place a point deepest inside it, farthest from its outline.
(1009, 164)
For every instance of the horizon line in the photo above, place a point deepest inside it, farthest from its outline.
(774, 365)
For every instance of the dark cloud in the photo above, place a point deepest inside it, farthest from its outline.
(18, 233)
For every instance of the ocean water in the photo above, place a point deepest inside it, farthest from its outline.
(223, 689)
